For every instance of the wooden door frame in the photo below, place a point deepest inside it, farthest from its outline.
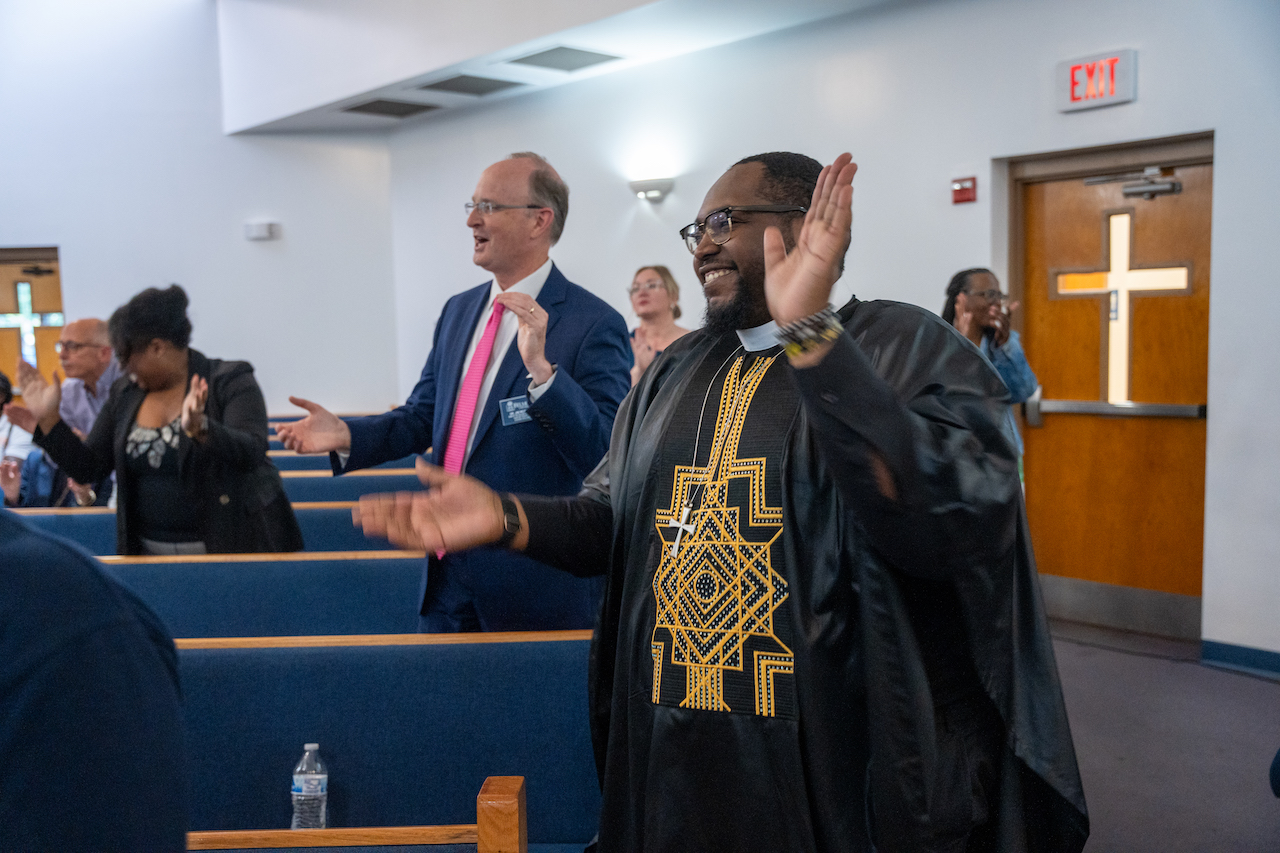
(1127, 608)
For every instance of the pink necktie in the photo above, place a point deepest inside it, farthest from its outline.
(469, 393)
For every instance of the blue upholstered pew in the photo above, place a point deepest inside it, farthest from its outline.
(409, 727)
(274, 595)
(319, 486)
(326, 526)
(287, 460)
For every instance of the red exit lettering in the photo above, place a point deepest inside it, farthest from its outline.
(1099, 79)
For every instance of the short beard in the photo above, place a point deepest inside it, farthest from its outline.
(737, 314)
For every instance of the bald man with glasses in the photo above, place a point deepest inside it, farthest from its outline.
(524, 378)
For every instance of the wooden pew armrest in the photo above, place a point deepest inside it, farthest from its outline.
(500, 827)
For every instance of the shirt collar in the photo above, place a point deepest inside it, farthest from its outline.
(530, 284)
(760, 338)
(107, 379)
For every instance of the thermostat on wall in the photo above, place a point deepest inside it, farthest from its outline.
(261, 230)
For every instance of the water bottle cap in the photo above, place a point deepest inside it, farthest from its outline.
(311, 747)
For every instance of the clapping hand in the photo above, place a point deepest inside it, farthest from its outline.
(193, 422)
(1000, 323)
(319, 432)
(41, 397)
(799, 284)
(531, 337)
(456, 512)
(11, 480)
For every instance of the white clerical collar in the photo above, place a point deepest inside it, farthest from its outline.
(530, 284)
(760, 338)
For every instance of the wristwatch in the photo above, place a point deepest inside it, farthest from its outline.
(510, 521)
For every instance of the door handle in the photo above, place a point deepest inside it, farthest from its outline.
(1036, 407)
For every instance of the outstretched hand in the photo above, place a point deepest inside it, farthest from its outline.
(798, 284)
(456, 512)
(41, 397)
(319, 432)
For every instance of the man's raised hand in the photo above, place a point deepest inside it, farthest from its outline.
(799, 284)
(456, 512)
(319, 432)
(531, 336)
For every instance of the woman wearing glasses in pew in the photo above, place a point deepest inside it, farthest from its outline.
(185, 434)
(655, 298)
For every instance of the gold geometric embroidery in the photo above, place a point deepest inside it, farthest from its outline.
(714, 588)
(656, 650)
(766, 666)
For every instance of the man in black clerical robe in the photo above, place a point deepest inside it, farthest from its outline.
(822, 629)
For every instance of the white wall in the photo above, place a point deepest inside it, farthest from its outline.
(112, 150)
(921, 93)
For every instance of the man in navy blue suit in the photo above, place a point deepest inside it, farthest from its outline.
(543, 412)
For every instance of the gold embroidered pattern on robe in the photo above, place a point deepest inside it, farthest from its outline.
(714, 588)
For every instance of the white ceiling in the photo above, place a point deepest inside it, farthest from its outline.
(296, 65)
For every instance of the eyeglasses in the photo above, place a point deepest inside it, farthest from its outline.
(993, 295)
(71, 346)
(719, 223)
(644, 286)
(487, 207)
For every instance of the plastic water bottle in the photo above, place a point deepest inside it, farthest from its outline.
(310, 791)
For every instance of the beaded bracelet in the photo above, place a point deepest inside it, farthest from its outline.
(809, 333)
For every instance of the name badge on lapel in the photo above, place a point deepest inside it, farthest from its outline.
(515, 410)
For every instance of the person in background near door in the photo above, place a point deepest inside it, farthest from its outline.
(977, 308)
(655, 298)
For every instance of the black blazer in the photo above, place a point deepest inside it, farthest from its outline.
(244, 507)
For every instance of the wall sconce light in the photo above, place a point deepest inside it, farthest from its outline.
(262, 230)
(654, 191)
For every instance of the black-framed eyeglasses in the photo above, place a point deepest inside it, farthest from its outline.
(487, 207)
(719, 223)
(71, 346)
(992, 295)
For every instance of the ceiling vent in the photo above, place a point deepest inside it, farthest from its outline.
(565, 59)
(390, 109)
(465, 84)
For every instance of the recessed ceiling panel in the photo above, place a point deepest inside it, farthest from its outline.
(466, 84)
(565, 59)
(390, 109)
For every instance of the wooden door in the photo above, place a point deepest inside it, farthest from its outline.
(1116, 326)
(31, 316)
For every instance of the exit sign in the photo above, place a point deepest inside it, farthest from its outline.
(1097, 81)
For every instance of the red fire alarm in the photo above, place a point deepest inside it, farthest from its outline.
(964, 189)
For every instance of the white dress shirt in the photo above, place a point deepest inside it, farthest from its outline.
(508, 326)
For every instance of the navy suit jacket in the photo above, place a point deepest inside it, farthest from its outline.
(550, 454)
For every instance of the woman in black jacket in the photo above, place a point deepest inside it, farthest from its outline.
(185, 434)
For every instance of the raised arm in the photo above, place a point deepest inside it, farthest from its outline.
(912, 439)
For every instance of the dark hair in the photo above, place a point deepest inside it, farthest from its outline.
(546, 189)
(151, 314)
(955, 287)
(6, 390)
(788, 178)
